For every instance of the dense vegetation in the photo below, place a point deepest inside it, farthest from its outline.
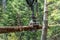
(17, 12)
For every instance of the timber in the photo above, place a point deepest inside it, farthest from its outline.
(8, 29)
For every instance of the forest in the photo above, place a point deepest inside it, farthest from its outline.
(18, 13)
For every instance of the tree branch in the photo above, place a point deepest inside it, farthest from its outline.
(9, 29)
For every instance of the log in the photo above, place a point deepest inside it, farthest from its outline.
(8, 29)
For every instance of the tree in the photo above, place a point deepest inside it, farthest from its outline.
(4, 5)
(45, 22)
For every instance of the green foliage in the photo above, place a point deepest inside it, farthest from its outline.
(20, 8)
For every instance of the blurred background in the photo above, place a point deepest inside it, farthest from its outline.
(17, 12)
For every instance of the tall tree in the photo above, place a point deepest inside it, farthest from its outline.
(45, 22)
(4, 10)
(19, 23)
(4, 5)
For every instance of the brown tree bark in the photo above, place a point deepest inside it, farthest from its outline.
(17, 28)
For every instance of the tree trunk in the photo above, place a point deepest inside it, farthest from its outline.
(45, 22)
(4, 10)
(4, 5)
(19, 24)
